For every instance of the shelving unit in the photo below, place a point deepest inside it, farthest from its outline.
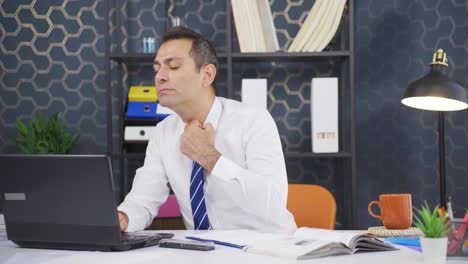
(345, 57)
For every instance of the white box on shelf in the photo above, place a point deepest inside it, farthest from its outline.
(254, 92)
(324, 114)
(138, 133)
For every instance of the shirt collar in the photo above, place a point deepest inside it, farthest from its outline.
(214, 114)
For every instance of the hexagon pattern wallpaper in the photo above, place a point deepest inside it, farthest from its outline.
(397, 146)
(52, 60)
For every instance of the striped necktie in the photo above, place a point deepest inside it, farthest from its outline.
(197, 198)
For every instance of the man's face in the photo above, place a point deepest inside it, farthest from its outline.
(176, 77)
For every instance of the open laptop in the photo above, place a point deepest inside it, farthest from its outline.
(64, 202)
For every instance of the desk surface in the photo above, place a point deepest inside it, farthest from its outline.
(11, 254)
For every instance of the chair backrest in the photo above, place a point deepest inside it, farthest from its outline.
(312, 206)
(170, 208)
(169, 216)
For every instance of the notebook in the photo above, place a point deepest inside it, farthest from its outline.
(64, 202)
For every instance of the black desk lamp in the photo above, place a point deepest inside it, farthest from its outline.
(436, 92)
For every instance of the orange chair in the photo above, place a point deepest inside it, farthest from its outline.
(312, 206)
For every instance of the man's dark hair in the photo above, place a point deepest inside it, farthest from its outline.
(202, 51)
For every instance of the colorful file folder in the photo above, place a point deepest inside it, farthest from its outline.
(142, 94)
(146, 110)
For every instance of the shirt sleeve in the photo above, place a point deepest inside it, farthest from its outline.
(150, 188)
(262, 181)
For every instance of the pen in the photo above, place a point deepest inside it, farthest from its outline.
(449, 209)
(216, 242)
(449, 214)
(441, 211)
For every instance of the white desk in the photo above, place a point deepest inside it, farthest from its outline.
(11, 254)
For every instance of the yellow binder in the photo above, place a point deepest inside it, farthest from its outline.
(142, 94)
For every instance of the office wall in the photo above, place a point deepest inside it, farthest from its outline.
(52, 59)
(397, 146)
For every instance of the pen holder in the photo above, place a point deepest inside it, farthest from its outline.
(458, 239)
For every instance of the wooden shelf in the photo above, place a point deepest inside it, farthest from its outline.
(317, 155)
(242, 57)
(141, 122)
(133, 57)
(288, 56)
(143, 57)
(133, 155)
(140, 142)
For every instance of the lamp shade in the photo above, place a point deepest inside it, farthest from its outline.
(435, 91)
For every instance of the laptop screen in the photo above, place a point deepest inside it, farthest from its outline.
(59, 198)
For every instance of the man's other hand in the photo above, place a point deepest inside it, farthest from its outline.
(123, 221)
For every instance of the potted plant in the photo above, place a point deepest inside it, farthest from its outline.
(44, 136)
(435, 229)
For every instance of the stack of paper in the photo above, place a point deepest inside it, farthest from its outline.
(254, 26)
(320, 26)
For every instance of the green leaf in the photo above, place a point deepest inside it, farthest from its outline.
(22, 129)
(43, 136)
(429, 222)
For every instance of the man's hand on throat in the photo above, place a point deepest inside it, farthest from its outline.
(197, 143)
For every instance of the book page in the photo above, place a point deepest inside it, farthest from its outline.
(370, 243)
(336, 22)
(268, 27)
(248, 23)
(307, 27)
(323, 26)
(256, 26)
(239, 25)
(342, 236)
(315, 22)
(290, 247)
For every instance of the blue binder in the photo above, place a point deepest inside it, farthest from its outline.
(144, 110)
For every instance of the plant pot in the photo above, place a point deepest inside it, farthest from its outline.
(434, 250)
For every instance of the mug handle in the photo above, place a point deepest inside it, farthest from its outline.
(369, 208)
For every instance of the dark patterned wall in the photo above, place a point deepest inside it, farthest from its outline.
(397, 146)
(52, 59)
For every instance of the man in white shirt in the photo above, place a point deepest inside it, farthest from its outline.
(242, 175)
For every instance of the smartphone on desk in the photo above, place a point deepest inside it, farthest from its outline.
(186, 244)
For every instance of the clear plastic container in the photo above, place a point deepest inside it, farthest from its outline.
(458, 239)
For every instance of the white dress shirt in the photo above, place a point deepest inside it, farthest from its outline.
(247, 188)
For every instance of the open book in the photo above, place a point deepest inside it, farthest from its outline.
(305, 243)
